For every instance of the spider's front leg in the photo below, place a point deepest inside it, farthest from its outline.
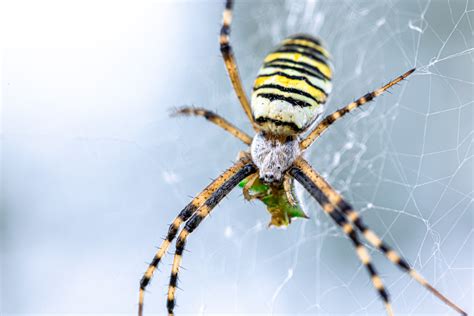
(246, 169)
(207, 194)
(344, 214)
(304, 174)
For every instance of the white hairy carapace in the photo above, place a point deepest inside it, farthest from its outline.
(273, 156)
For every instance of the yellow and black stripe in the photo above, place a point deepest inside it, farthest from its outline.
(243, 172)
(206, 195)
(292, 85)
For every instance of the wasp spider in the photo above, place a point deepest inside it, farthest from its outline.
(288, 96)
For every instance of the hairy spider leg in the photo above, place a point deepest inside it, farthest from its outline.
(331, 118)
(214, 118)
(230, 62)
(303, 176)
(353, 216)
(195, 220)
(183, 216)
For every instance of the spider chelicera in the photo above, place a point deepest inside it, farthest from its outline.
(288, 97)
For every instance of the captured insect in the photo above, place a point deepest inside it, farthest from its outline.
(288, 96)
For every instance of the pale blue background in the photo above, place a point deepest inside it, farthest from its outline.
(93, 170)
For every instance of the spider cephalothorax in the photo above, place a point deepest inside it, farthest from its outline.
(288, 96)
(273, 156)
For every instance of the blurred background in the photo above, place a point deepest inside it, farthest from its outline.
(94, 170)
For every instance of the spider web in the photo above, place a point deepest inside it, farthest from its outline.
(85, 123)
(405, 162)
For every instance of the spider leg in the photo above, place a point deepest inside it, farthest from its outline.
(230, 62)
(304, 176)
(225, 187)
(216, 119)
(353, 217)
(331, 118)
(183, 216)
(247, 187)
(288, 187)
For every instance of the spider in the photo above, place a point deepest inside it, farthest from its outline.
(288, 96)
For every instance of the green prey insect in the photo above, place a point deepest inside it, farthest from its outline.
(281, 204)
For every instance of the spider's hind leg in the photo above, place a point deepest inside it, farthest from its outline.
(333, 117)
(230, 62)
(214, 118)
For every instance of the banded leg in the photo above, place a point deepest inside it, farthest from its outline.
(352, 216)
(216, 119)
(305, 179)
(195, 220)
(183, 216)
(331, 118)
(230, 62)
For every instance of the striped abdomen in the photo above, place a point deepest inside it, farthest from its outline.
(292, 86)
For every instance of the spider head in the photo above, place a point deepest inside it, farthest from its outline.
(271, 173)
(273, 156)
